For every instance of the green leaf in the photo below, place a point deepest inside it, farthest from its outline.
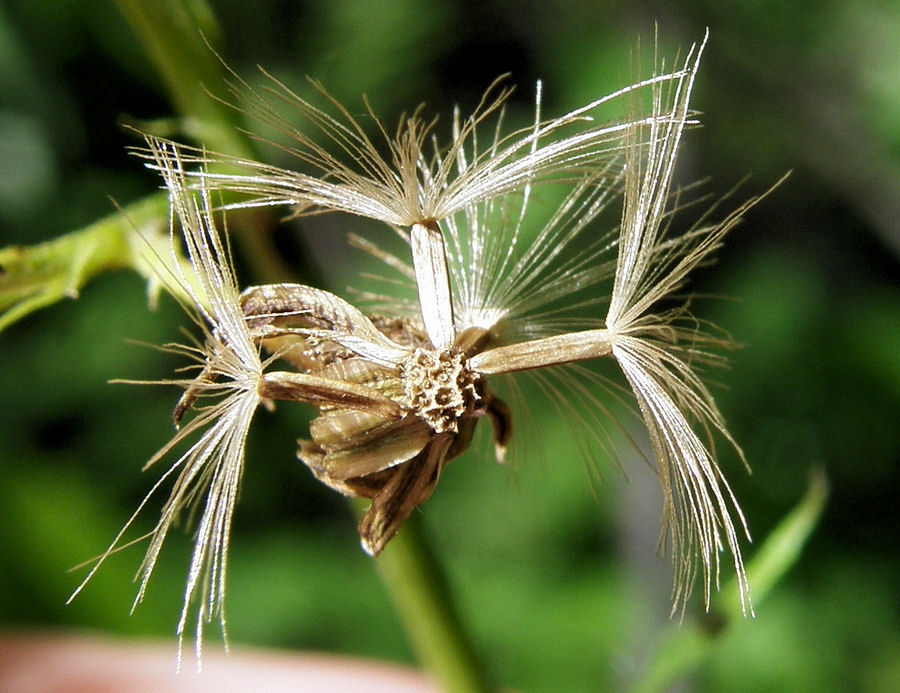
(688, 645)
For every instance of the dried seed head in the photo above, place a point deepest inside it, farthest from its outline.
(399, 396)
(521, 294)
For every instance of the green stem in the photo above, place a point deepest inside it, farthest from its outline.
(174, 34)
(425, 604)
(33, 277)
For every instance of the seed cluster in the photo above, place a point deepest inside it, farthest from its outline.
(400, 395)
(440, 388)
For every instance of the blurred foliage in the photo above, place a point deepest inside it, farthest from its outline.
(561, 590)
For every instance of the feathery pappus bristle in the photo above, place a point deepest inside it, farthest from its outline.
(205, 479)
(418, 180)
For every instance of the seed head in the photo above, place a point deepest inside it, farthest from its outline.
(399, 392)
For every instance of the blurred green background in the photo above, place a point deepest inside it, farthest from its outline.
(562, 590)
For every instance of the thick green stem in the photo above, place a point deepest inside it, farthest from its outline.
(172, 33)
(423, 600)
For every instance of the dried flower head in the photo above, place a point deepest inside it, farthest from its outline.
(400, 391)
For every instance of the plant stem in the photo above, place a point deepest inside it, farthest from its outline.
(423, 600)
(34, 277)
(172, 33)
